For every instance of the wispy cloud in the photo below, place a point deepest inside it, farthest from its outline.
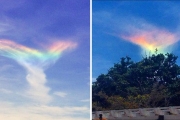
(93, 79)
(85, 100)
(5, 91)
(43, 112)
(60, 94)
(4, 27)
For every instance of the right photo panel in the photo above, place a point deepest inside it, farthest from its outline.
(135, 60)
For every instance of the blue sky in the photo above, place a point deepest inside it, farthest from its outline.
(45, 60)
(134, 29)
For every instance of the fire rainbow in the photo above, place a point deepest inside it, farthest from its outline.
(19, 52)
(150, 40)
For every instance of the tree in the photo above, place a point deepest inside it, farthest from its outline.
(155, 80)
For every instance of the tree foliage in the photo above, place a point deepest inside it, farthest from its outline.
(152, 82)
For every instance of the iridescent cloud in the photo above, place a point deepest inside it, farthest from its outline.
(33, 61)
(151, 38)
(21, 53)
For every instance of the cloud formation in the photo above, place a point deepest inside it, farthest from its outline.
(138, 31)
(30, 75)
(60, 94)
(151, 38)
(33, 61)
(9, 111)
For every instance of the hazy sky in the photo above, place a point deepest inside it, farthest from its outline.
(134, 29)
(44, 57)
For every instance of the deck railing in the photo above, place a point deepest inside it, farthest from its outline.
(160, 113)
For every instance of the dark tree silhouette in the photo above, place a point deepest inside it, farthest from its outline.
(152, 82)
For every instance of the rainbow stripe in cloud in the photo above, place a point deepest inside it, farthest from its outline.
(149, 40)
(34, 62)
(21, 53)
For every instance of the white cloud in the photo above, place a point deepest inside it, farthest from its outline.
(93, 79)
(85, 100)
(61, 94)
(5, 91)
(4, 27)
(41, 112)
(36, 78)
(6, 67)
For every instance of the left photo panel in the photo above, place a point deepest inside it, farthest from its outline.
(45, 60)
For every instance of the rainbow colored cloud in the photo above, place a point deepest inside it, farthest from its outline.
(34, 62)
(150, 39)
(21, 53)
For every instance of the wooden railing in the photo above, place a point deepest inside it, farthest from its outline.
(161, 113)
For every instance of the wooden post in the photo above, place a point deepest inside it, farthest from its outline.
(100, 116)
(161, 117)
